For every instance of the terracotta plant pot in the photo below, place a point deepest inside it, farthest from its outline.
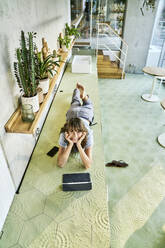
(40, 95)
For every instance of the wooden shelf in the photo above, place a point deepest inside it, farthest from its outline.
(15, 123)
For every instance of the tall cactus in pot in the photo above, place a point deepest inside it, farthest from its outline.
(25, 70)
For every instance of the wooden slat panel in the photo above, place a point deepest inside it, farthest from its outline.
(103, 75)
(113, 76)
(82, 43)
(107, 68)
(100, 52)
(112, 65)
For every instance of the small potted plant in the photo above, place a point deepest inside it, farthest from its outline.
(65, 42)
(72, 32)
(24, 70)
(44, 70)
(56, 58)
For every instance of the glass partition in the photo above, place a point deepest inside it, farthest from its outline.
(116, 14)
(90, 12)
(87, 25)
(156, 54)
(77, 7)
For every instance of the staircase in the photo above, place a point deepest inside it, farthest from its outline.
(107, 68)
(111, 53)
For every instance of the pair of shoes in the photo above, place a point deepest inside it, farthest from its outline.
(116, 163)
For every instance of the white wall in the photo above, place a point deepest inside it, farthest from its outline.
(6, 188)
(47, 18)
(137, 34)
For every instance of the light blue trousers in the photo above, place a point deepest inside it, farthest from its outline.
(78, 110)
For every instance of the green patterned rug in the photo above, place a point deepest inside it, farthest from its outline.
(130, 127)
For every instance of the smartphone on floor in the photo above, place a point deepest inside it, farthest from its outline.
(53, 151)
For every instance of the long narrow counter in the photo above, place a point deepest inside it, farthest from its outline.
(50, 217)
(15, 123)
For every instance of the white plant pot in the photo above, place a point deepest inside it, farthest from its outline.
(44, 85)
(64, 49)
(32, 101)
(71, 37)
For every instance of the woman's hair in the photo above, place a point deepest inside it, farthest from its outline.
(78, 125)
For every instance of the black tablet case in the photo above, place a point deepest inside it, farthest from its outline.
(76, 182)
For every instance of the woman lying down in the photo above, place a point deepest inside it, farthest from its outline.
(76, 135)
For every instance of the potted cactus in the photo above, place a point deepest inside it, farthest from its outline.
(24, 70)
(44, 70)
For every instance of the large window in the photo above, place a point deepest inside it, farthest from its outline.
(77, 8)
(156, 54)
(86, 13)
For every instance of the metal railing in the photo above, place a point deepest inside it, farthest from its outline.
(109, 38)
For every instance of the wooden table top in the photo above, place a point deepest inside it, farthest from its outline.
(154, 71)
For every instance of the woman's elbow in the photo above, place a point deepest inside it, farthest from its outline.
(88, 165)
(60, 163)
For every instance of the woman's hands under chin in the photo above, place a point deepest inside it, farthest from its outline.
(68, 138)
(81, 138)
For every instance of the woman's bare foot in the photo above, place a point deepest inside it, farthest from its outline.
(82, 90)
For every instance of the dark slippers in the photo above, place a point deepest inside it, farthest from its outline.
(116, 163)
